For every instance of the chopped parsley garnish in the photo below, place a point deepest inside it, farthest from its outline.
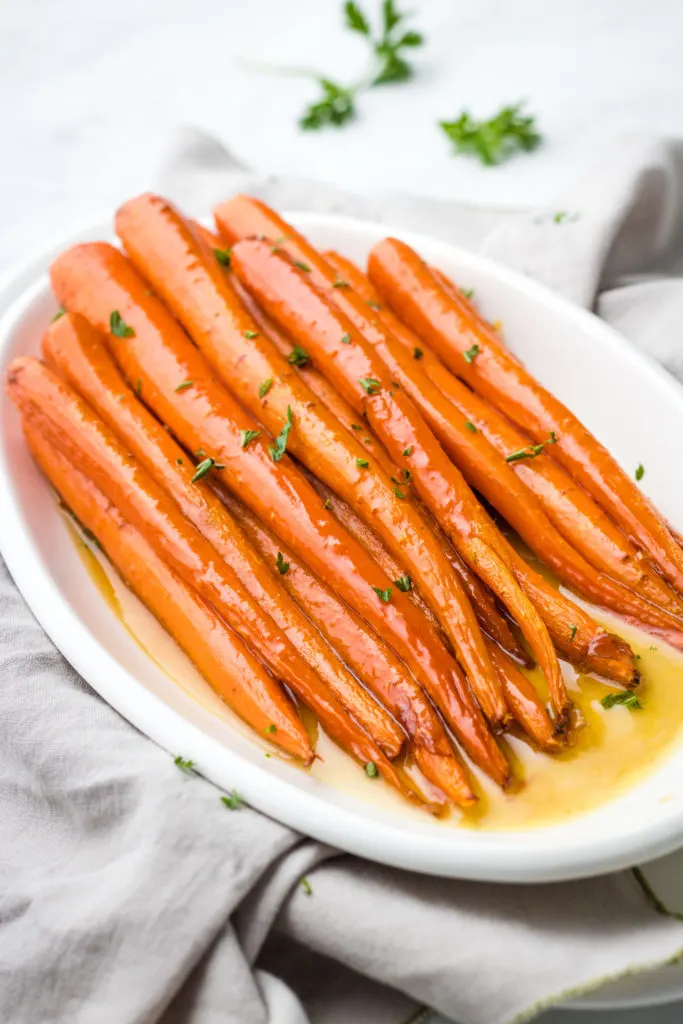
(383, 595)
(408, 451)
(138, 387)
(179, 461)
(302, 266)
(265, 387)
(306, 886)
(404, 584)
(118, 327)
(574, 631)
(205, 467)
(356, 426)
(270, 728)
(471, 354)
(282, 566)
(340, 283)
(223, 256)
(60, 312)
(626, 699)
(371, 770)
(246, 436)
(470, 426)
(183, 764)
(417, 353)
(398, 493)
(346, 339)
(278, 449)
(467, 292)
(640, 471)
(250, 335)
(185, 385)
(362, 463)
(369, 385)
(232, 802)
(298, 356)
(493, 141)
(335, 107)
(327, 503)
(373, 305)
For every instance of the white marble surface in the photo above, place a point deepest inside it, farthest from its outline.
(91, 90)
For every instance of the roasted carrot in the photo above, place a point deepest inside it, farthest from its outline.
(96, 279)
(470, 347)
(527, 707)
(572, 510)
(76, 350)
(72, 427)
(307, 315)
(171, 254)
(367, 655)
(222, 657)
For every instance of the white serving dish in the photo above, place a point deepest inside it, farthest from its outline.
(630, 403)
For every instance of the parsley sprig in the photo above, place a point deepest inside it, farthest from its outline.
(388, 48)
(494, 141)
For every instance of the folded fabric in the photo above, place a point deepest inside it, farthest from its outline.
(131, 894)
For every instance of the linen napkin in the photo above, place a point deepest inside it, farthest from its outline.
(131, 894)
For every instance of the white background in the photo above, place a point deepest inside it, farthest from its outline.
(91, 91)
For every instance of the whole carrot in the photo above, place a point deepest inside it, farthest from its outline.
(71, 427)
(306, 314)
(171, 254)
(471, 348)
(367, 655)
(222, 658)
(76, 350)
(96, 279)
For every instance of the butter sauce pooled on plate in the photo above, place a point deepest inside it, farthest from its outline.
(613, 750)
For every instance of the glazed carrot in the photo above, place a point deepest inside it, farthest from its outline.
(96, 279)
(222, 658)
(184, 272)
(527, 707)
(72, 427)
(76, 351)
(572, 510)
(367, 655)
(593, 649)
(471, 348)
(307, 315)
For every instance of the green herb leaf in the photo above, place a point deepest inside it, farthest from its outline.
(233, 802)
(362, 463)
(493, 141)
(407, 474)
(306, 886)
(356, 426)
(530, 452)
(185, 766)
(369, 385)
(223, 256)
(470, 426)
(278, 449)
(185, 385)
(371, 770)
(467, 292)
(179, 461)
(60, 312)
(408, 451)
(248, 435)
(249, 335)
(346, 339)
(118, 327)
(355, 19)
(471, 354)
(404, 584)
(202, 469)
(398, 493)
(625, 699)
(327, 503)
(265, 387)
(574, 631)
(298, 356)
(270, 728)
(373, 305)
(138, 387)
(302, 266)
(340, 283)
(335, 107)
(282, 566)
(383, 595)
(640, 471)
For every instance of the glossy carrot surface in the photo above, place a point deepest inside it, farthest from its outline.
(221, 657)
(95, 279)
(76, 350)
(454, 330)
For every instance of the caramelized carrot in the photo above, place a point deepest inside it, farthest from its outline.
(367, 655)
(527, 707)
(222, 658)
(307, 315)
(471, 348)
(174, 258)
(71, 426)
(96, 279)
(76, 350)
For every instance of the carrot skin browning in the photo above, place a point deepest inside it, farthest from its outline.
(220, 655)
(76, 350)
(452, 327)
(95, 278)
